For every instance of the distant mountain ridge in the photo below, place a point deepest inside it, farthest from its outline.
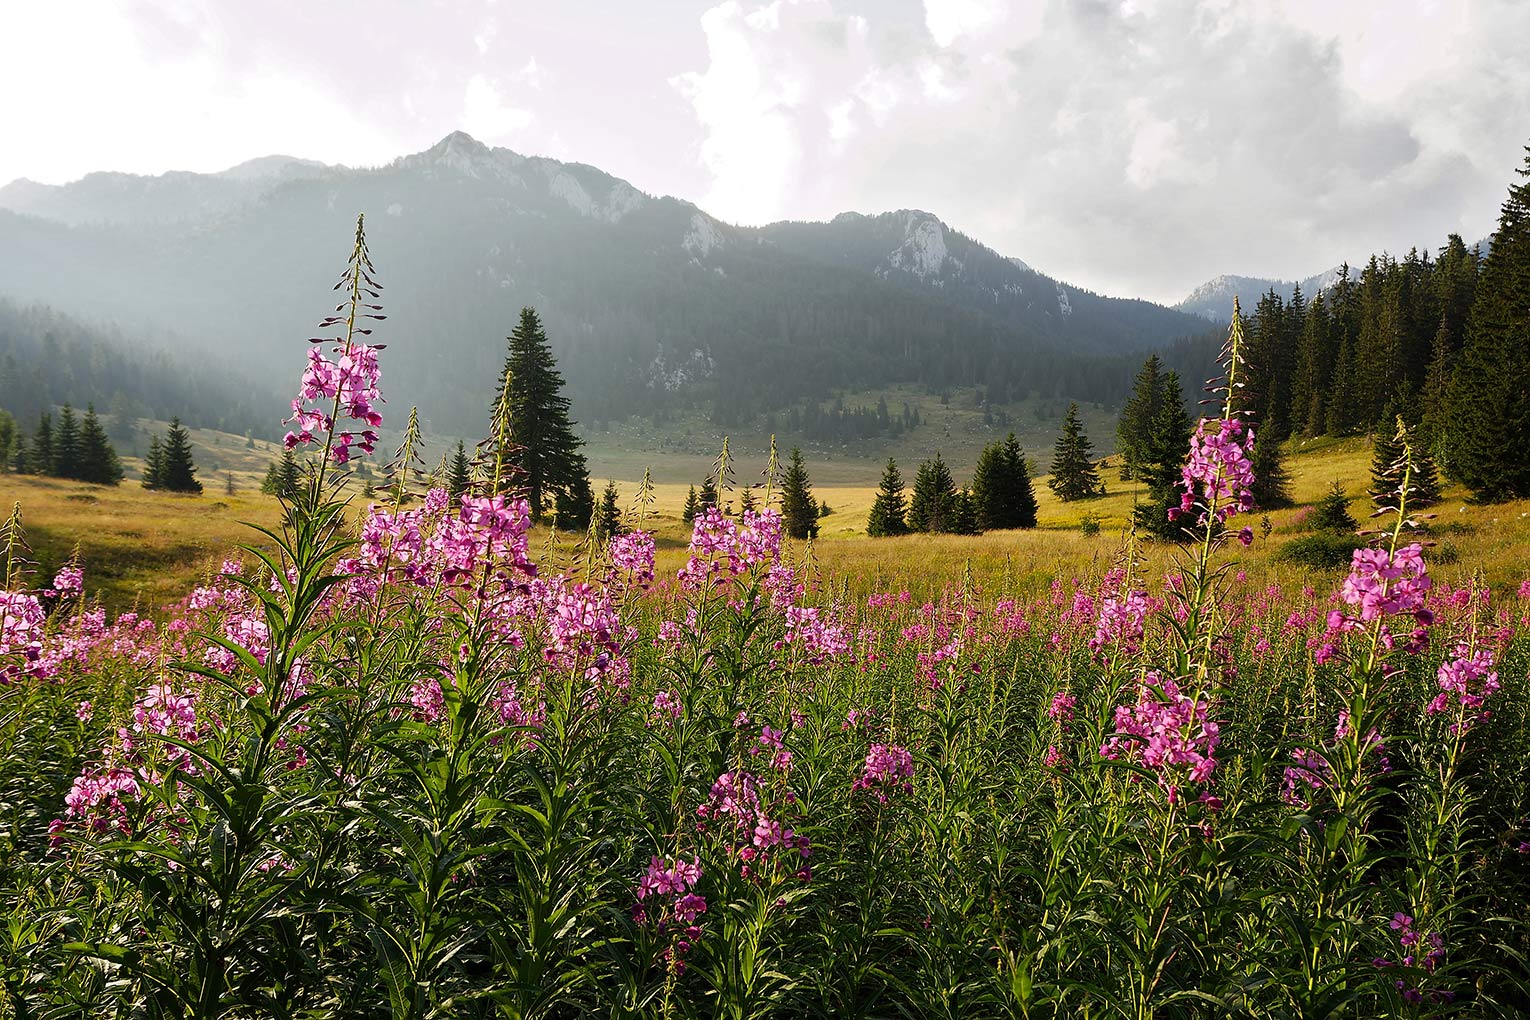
(649, 301)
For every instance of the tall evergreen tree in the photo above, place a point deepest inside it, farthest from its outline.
(546, 452)
(98, 462)
(707, 495)
(888, 510)
(154, 465)
(1074, 475)
(66, 445)
(180, 474)
(608, 515)
(574, 504)
(1134, 427)
(1487, 436)
(1387, 456)
(40, 460)
(799, 511)
(1272, 482)
(934, 497)
(692, 507)
(283, 477)
(459, 473)
(747, 504)
(1020, 501)
(1166, 457)
(964, 514)
(990, 487)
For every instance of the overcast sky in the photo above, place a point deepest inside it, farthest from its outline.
(1135, 147)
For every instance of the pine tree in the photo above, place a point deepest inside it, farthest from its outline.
(692, 507)
(1020, 500)
(283, 477)
(98, 462)
(179, 474)
(964, 514)
(1387, 456)
(1272, 483)
(574, 503)
(1487, 434)
(608, 516)
(990, 484)
(799, 511)
(934, 497)
(459, 474)
(40, 460)
(1073, 472)
(1166, 454)
(707, 495)
(747, 504)
(888, 510)
(1134, 427)
(1331, 513)
(154, 465)
(66, 445)
(546, 453)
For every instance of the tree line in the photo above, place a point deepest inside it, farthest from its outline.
(999, 497)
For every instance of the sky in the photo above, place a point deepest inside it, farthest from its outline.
(1133, 147)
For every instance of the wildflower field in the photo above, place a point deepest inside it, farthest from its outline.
(403, 768)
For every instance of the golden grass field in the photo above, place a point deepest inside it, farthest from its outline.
(146, 548)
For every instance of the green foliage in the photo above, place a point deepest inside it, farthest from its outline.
(98, 462)
(1002, 494)
(799, 510)
(934, 502)
(1134, 428)
(692, 506)
(888, 514)
(459, 472)
(608, 515)
(283, 478)
(1074, 476)
(1325, 550)
(545, 452)
(1331, 513)
(1163, 457)
(177, 473)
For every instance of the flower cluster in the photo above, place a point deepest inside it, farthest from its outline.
(68, 581)
(763, 844)
(1419, 951)
(1383, 584)
(889, 769)
(21, 631)
(667, 889)
(819, 640)
(632, 554)
(718, 544)
(349, 386)
(1122, 623)
(1468, 679)
(1218, 474)
(1168, 732)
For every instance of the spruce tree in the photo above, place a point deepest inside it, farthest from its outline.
(154, 465)
(608, 516)
(9, 441)
(692, 507)
(179, 474)
(1073, 472)
(799, 511)
(707, 496)
(459, 474)
(1487, 429)
(1161, 472)
(1020, 501)
(546, 451)
(283, 477)
(964, 514)
(1134, 427)
(1272, 483)
(66, 445)
(574, 503)
(888, 510)
(1387, 466)
(97, 460)
(934, 497)
(1331, 513)
(990, 485)
(746, 501)
(40, 460)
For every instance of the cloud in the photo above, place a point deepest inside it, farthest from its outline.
(1131, 147)
(485, 114)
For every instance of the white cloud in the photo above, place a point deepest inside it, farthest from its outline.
(485, 114)
(949, 20)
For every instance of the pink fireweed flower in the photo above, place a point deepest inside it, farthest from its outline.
(348, 384)
(21, 631)
(1061, 708)
(719, 544)
(1167, 732)
(665, 897)
(1383, 584)
(888, 770)
(1218, 474)
(632, 554)
(1309, 771)
(1468, 679)
(69, 581)
(1122, 623)
(819, 640)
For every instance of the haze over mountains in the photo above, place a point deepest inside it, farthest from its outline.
(650, 302)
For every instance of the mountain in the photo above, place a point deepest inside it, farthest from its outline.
(1213, 299)
(651, 304)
